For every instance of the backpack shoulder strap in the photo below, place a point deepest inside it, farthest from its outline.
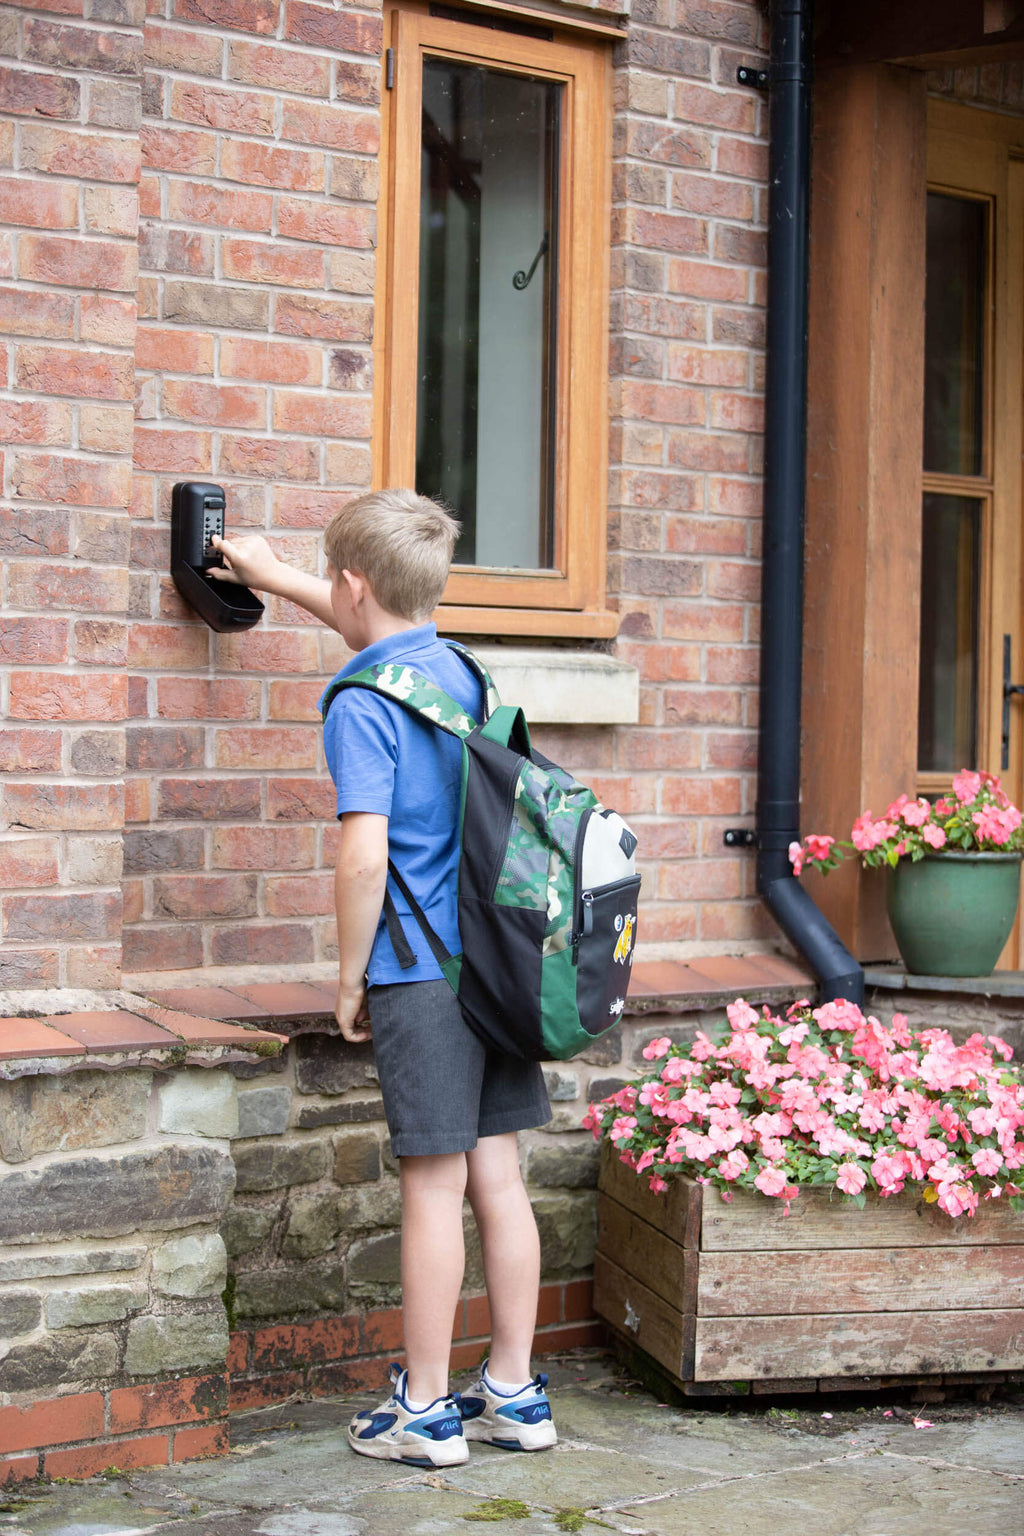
(492, 699)
(412, 690)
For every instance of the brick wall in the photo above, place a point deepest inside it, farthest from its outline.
(231, 150)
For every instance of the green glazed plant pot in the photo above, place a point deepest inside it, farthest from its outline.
(952, 913)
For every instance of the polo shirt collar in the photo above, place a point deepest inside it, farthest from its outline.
(401, 645)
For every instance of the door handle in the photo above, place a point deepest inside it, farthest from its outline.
(1009, 690)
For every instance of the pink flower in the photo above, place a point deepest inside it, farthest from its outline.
(655, 1049)
(656, 1186)
(770, 1181)
(735, 1163)
(967, 786)
(851, 1179)
(987, 1161)
(944, 807)
(645, 1160)
(957, 1199)
(818, 846)
(797, 857)
(934, 836)
(740, 1014)
(916, 813)
(623, 1128)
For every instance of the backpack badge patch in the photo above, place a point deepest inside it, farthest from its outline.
(624, 927)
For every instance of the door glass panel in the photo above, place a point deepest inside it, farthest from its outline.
(948, 697)
(955, 334)
(488, 281)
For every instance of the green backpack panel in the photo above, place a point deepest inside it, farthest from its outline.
(548, 889)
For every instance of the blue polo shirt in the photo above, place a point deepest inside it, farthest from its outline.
(385, 760)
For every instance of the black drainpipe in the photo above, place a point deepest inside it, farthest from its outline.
(778, 778)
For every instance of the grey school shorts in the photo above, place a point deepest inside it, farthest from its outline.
(442, 1087)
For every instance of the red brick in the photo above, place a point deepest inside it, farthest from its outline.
(74, 263)
(162, 747)
(743, 327)
(676, 232)
(696, 620)
(293, 170)
(238, 1354)
(264, 848)
(569, 1336)
(197, 698)
(74, 371)
(74, 152)
(705, 365)
(204, 896)
(710, 195)
(34, 640)
(27, 861)
(215, 405)
(263, 944)
(274, 747)
(300, 799)
(549, 1305)
(173, 350)
(700, 879)
(333, 1338)
(88, 1460)
(29, 967)
(304, 220)
(208, 799)
(106, 320)
(183, 49)
(264, 1390)
(81, 587)
(206, 1440)
(46, 423)
(228, 208)
(297, 895)
(382, 1331)
(705, 536)
(627, 794)
(478, 1317)
(742, 157)
(309, 122)
(704, 280)
(736, 498)
(39, 204)
(732, 749)
(269, 458)
(162, 948)
(62, 917)
(69, 807)
(232, 111)
(17, 1469)
(667, 143)
(258, 16)
(136, 800)
(166, 1402)
(733, 664)
(56, 696)
(737, 413)
(266, 651)
(660, 749)
(79, 1417)
(275, 68)
(78, 48)
(181, 150)
(325, 27)
(326, 319)
(733, 579)
(703, 706)
(24, 312)
(708, 451)
(176, 250)
(325, 415)
(36, 94)
(578, 1300)
(702, 796)
(61, 478)
(277, 362)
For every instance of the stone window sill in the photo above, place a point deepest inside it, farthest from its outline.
(564, 687)
(893, 978)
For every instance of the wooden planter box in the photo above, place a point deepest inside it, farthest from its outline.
(725, 1293)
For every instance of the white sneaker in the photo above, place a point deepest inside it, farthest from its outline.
(519, 1422)
(428, 1437)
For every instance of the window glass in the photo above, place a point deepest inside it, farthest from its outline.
(488, 279)
(948, 697)
(955, 335)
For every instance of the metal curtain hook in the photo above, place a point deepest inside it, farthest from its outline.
(521, 279)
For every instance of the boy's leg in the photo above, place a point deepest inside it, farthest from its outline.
(511, 1253)
(433, 1260)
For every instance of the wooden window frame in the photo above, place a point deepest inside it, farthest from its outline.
(570, 599)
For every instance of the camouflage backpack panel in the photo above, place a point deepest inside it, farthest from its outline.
(539, 862)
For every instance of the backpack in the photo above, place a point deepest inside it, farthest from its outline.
(547, 883)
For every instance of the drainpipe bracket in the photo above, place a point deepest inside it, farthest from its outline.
(739, 837)
(756, 79)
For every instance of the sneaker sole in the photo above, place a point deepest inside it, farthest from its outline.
(384, 1450)
(529, 1438)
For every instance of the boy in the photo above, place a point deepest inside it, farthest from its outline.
(452, 1106)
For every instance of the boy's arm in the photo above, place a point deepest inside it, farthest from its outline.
(252, 563)
(360, 876)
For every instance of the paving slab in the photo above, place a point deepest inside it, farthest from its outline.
(625, 1461)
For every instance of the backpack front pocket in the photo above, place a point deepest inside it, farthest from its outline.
(604, 941)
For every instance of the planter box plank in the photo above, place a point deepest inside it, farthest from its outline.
(676, 1212)
(859, 1344)
(902, 1221)
(647, 1319)
(669, 1270)
(836, 1280)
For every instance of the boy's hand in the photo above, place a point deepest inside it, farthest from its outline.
(250, 562)
(352, 1014)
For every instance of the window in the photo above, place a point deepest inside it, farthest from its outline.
(492, 351)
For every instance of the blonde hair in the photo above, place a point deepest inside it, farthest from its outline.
(401, 543)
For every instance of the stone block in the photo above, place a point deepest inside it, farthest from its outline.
(59, 1360)
(275, 1165)
(356, 1157)
(365, 1206)
(82, 1109)
(562, 1086)
(20, 1312)
(570, 1163)
(82, 1261)
(199, 1102)
(263, 1111)
(292, 1292)
(191, 1266)
(313, 1224)
(605, 1052)
(93, 1304)
(262, 1066)
(568, 1232)
(346, 1111)
(192, 1341)
(107, 1194)
(244, 1228)
(603, 1087)
(562, 1120)
(329, 1064)
(376, 1260)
